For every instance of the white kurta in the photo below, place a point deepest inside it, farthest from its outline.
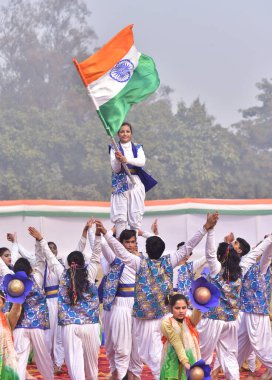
(128, 207)
(121, 346)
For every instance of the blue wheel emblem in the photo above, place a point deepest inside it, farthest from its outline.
(121, 72)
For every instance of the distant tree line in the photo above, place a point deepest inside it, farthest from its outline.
(53, 146)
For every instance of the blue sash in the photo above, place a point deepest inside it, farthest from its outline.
(125, 290)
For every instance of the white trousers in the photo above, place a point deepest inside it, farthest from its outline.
(128, 207)
(24, 339)
(121, 346)
(251, 360)
(81, 350)
(149, 340)
(222, 337)
(255, 335)
(53, 335)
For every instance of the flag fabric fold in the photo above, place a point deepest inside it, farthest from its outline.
(116, 77)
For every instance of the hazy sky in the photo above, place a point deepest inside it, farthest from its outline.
(212, 49)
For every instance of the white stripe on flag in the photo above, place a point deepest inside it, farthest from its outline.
(105, 88)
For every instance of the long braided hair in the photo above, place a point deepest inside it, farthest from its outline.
(78, 275)
(230, 261)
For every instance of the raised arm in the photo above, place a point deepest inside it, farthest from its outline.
(83, 240)
(14, 314)
(211, 256)
(52, 261)
(17, 250)
(107, 252)
(250, 258)
(30, 256)
(127, 258)
(198, 263)
(266, 257)
(185, 251)
(195, 317)
(95, 259)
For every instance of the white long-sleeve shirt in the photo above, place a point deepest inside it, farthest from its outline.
(38, 271)
(128, 153)
(58, 269)
(17, 251)
(246, 261)
(134, 261)
(128, 274)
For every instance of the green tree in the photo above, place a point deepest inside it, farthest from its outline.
(256, 126)
(38, 40)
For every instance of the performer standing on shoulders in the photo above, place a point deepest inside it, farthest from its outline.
(127, 199)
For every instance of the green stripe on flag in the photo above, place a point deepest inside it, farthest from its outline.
(144, 82)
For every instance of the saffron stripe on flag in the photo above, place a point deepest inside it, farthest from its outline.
(105, 58)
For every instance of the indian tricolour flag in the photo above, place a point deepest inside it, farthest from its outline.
(118, 76)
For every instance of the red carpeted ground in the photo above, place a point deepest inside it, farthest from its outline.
(104, 372)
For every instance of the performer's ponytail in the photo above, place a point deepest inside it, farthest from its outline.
(230, 261)
(78, 276)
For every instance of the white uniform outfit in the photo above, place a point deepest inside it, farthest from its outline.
(218, 328)
(79, 323)
(148, 315)
(51, 288)
(255, 331)
(127, 207)
(31, 328)
(17, 251)
(121, 346)
(251, 359)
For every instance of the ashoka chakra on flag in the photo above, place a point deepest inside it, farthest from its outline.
(122, 70)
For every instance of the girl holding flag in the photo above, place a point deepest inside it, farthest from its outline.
(127, 199)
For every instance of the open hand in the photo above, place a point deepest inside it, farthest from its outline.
(211, 220)
(100, 229)
(35, 233)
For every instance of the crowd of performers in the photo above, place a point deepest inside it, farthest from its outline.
(147, 316)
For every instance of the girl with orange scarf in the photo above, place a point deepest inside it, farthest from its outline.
(181, 347)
